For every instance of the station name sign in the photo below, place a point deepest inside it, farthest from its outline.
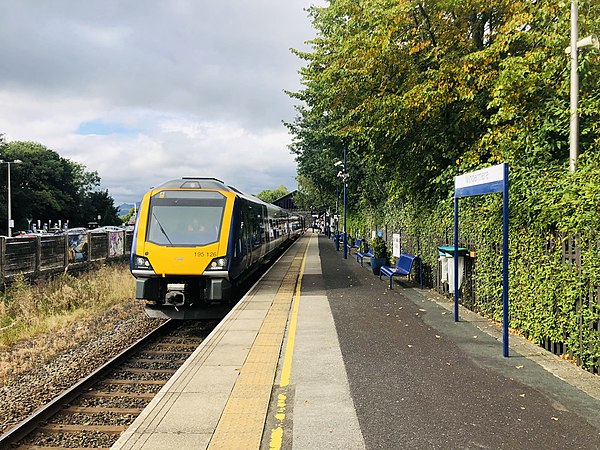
(483, 181)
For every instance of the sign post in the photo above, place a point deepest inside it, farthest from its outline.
(485, 181)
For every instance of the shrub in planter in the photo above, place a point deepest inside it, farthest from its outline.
(380, 253)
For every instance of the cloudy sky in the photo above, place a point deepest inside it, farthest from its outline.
(143, 91)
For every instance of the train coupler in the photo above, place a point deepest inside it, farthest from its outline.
(175, 295)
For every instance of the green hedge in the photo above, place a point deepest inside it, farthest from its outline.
(554, 269)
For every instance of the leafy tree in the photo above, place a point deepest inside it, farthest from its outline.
(49, 188)
(127, 217)
(99, 204)
(270, 196)
(311, 197)
(418, 91)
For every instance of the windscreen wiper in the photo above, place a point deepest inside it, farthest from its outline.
(161, 228)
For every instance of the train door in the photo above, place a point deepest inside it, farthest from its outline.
(242, 251)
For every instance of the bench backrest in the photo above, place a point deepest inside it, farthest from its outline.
(405, 262)
(358, 242)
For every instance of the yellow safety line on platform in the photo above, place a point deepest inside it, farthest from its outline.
(286, 368)
(242, 423)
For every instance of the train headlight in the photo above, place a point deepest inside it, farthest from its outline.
(141, 263)
(218, 264)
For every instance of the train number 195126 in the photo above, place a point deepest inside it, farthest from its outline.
(205, 254)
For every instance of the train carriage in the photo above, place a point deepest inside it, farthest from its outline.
(196, 239)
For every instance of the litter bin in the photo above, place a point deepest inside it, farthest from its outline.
(336, 239)
(446, 258)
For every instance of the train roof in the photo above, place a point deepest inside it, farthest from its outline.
(209, 183)
(195, 183)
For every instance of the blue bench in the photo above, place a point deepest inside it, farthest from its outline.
(356, 245)
(403, 267)
(361, 255)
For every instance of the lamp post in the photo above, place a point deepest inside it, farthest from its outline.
(337, 212)
(344, 176)
(10, 221)
(590, 41)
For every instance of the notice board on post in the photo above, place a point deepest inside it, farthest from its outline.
(396, 245)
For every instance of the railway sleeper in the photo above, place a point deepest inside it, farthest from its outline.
(94, 410)
(128, 382)
(158, 361)
(146, 395)
(145, 371)
(167, 353)
(66, 428)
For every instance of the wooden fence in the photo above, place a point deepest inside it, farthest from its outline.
(41, 255)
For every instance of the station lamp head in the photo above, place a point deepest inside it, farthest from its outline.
(587, 42)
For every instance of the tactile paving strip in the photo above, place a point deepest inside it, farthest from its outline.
(242, 422)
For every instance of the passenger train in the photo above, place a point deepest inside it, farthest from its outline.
(196, 239)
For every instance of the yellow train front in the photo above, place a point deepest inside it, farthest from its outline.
(196, 239)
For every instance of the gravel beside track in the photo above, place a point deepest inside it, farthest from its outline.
(108, 334)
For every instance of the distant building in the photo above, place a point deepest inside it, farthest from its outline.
(287, 201)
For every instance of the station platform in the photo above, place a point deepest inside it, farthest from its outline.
(321, 354)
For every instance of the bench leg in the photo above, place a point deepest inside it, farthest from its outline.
(391, 276)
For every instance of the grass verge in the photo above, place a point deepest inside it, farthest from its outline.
(38, 321)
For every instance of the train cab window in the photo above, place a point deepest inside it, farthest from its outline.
(185, 218)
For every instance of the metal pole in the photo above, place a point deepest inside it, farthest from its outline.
(505, 316)
(455, 258)
(337, 219)
(345, 235)
(9, 205)
(574, 122)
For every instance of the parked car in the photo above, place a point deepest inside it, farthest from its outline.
(78, 230)
(30, 233)
(105, 229)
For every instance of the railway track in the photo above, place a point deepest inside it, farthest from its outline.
(95, 411)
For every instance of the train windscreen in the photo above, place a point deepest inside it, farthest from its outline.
(185, 218)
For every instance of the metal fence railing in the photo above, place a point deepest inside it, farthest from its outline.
(39, 255)
(567, 253)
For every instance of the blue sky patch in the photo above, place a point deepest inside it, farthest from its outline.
(100, 127)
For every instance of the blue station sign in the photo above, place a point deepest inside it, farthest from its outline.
(483, 181)
(480, 182)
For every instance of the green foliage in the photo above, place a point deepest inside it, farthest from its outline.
(127, 217)
(380, 248)
(270, 196)
(48, 187)
(418, 92)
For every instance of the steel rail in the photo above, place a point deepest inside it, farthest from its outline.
(43, 413)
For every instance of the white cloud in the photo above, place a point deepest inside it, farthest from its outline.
(174, 88)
